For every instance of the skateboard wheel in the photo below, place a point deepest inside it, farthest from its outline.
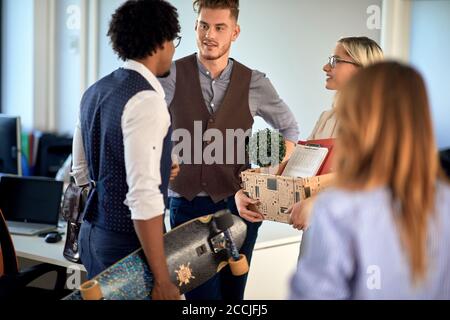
(240, 267)
(205, 219)
(91, 291)
(224, 221)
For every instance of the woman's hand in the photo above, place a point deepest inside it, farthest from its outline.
(245, 205)
(301, 214)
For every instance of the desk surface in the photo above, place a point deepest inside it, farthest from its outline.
(35, 248)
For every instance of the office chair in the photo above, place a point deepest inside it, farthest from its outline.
(52, 152)
(14, 282)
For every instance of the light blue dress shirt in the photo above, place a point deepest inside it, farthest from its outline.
(353, 250)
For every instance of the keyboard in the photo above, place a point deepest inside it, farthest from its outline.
(29, 229)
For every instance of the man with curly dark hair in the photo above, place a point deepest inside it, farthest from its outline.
(122, 145)
(221, 94)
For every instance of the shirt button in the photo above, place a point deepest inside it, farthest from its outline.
(204, 184)
(212, 105)
(211, 120)
(214, 82)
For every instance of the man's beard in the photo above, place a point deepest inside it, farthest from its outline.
(222, 51)
(165, 75)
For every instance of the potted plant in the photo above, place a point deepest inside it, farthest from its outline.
(267, 150)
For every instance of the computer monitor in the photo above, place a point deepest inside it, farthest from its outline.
(10, 145)
(30, 199)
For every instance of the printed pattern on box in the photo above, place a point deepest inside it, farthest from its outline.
(277, 194)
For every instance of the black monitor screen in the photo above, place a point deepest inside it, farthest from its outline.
(35, 200)
(10, 145)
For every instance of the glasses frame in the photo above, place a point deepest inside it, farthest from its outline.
(333, 61)
(177, 41)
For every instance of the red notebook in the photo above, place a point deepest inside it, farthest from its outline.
(328, 162)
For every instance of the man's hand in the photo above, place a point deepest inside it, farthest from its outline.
(301, 214)
(174, 171)
(165, 291)
(243, 204)
(150, 233)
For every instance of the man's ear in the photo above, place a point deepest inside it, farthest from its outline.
(236, 32)
(196, 25)
(160, 48)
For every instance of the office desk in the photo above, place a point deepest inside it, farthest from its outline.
(36, 249)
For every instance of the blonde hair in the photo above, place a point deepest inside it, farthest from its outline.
(385, 138)
(364, 51)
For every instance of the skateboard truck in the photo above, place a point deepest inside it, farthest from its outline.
(224, 241)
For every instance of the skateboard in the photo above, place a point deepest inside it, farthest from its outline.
(195, 252)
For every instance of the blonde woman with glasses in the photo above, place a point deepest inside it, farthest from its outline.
(383, 231)
(350, 55)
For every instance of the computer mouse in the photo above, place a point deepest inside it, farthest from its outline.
(53, 237)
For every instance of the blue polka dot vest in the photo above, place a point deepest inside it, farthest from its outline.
(102, 107)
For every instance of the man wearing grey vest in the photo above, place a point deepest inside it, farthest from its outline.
(122, 145)
(209, 92)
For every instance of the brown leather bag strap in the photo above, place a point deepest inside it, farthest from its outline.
(9, 258)
(73, 203)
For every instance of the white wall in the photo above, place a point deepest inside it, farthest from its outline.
(68, 67)
(107, 60)
(430, 47)
(17, 60)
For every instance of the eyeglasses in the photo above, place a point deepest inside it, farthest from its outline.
(333, 60)
(177, 41)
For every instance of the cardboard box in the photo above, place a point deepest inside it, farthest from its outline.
(277, 193)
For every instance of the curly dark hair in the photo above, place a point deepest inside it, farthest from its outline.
(233, 5)
(139, 27)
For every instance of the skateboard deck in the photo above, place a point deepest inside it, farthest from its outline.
(195, 252)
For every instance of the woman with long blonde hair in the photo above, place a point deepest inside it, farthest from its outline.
(384, 231)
